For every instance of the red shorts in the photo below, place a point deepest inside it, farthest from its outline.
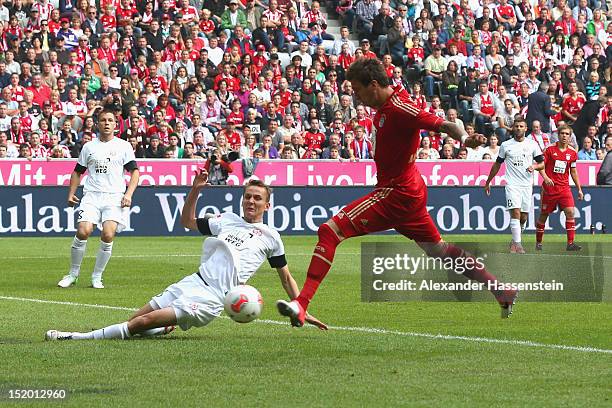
(552, 200)
(389, 208)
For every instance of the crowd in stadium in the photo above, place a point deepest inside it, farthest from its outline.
(192, 78)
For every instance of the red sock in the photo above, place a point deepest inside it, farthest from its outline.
(539, 232)
(570, 226)
(320, 263)
(479, 274)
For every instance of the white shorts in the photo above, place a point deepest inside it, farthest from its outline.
(100, 207)
(519, 197)
(195, 304)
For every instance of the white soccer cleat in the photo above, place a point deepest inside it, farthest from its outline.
(97, 284)
(68, 281)
(52, 335)
(293, 310)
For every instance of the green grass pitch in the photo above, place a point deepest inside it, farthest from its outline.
(265, 364)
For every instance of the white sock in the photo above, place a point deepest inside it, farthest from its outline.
(515, 228)
(77, 252)
(116, 331)
(104, 254)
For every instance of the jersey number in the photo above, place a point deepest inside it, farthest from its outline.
(509, 203)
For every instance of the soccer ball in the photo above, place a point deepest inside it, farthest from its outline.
(243, 304)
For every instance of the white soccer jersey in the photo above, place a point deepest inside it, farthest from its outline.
(104, 162)
(236, 250)
(518, 157)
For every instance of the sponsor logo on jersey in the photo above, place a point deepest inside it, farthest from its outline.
(364, 221)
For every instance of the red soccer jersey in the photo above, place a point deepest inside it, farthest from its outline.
(416, 55)
(285, 98)
(366, 123)
(207, 26)
(314, 140)
(557, 164)
(505, 11)
(109, 22)
(236, 118)
(573, 106)
(398, 123)
(233, 139)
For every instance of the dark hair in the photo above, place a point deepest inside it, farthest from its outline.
(108, 110)
(518, 119)
(365, 71)
(259, 183)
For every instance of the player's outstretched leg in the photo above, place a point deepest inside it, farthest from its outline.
(320, 263)
(505, 298)
(77, 252)
(158, 331)
(161, 319)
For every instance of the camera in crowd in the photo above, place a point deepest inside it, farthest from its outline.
(228, 158)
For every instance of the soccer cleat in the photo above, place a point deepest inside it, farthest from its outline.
(52, 335)
(516, 248)
(97, 284)
(538, 246)
(293, 310)
(507, 300)
(68, 281)
(573, 247)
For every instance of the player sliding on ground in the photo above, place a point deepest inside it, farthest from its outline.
(106, 201)
(559, 164)
(230, 256)
(400, 197)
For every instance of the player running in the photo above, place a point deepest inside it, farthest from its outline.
(400, 197)
(106, 200)
(559, 164)
(519, 154)
(236, 249)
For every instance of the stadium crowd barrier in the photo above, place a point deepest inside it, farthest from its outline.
(167, 172)
(27, 211)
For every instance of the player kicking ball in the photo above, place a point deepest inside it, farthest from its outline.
(400, 197)
(106, 200)
(519, 154)
(236, 248)
(559, 164)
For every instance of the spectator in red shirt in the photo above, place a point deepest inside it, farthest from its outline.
(314, 138)
(572, 103)
(40, 91)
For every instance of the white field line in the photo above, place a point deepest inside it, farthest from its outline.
(369, 330)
